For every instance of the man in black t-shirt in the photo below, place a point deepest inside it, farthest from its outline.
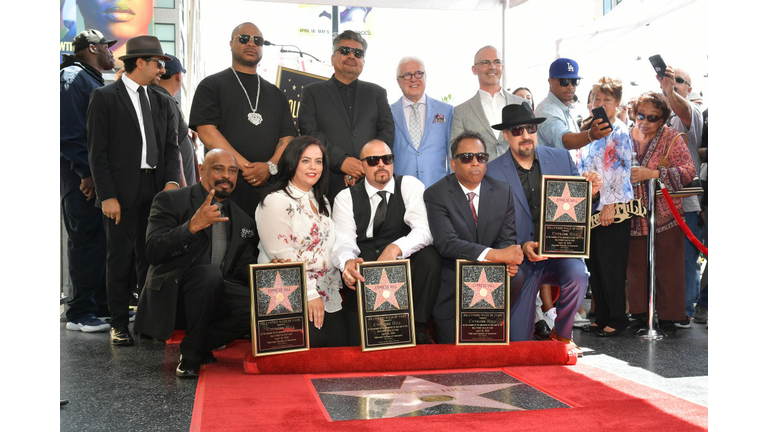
(238, 111)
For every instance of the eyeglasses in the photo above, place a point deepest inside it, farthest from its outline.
(345, 50)
(486, 63)
(374, 160)
(407, 76)
(518, 130)
(565, 81)
(650, 118)
(466, 158)
(160, 63)
(244, 38)
(682, 81)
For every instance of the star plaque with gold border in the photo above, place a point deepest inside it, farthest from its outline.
(482, 303)
(566, 204)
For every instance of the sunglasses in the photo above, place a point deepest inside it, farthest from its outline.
(466, 158)
(682, 81)
(565, 81)
(374, 160)
(518, 130)
(244, 38)
(345, 50)
(407, 76)
(160, 63)
(651, 118)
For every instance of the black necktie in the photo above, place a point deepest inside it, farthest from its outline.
(381, 211)
(219, 239)
(149, 129)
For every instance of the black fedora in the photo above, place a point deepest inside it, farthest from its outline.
(515, 115)
(143, 46)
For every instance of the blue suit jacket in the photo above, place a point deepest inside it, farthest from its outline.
(553, 161)
(430, 162)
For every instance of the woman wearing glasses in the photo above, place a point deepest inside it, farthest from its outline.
(294, 223)
(611, 157)
(663, 154)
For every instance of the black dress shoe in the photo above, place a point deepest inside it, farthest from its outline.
(120, 336)
(187, 368)
(423, 339)
(541, 331)
(208, 358)
(602, 333)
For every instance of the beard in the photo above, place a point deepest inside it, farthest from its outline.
(223, 193)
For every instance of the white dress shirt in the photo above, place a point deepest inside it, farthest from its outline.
(476, 203)
(492, 106)
(133, 93)
(412, 190)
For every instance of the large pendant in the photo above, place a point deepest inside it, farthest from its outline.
(255, 118)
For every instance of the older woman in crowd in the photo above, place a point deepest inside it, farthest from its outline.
(611, 157)
(294, 223)
(663, 154)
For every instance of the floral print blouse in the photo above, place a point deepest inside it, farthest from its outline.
(290, 229)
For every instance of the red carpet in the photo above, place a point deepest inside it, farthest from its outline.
(229, 400)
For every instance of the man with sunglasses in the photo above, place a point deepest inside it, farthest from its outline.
(484, 108)
(522, 167)
(383, 218)
(239, 111)
(134, 154)
(422, 126)
(345, 113)
(472, 217)
(560, 129)
(687, 118)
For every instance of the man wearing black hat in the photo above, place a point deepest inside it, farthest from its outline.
(522, 167)
(133, 153)
(79, 75)
(169, 85)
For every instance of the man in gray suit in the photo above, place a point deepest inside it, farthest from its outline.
(484, 108)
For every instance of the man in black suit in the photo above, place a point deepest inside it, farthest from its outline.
(471, 217)
(191, 268)
(133, 154)
(345, 113)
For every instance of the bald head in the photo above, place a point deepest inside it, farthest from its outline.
(219, 172)
(375, 147)
(238, 30)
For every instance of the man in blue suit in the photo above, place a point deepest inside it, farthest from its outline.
(422, 126)
(522, 167)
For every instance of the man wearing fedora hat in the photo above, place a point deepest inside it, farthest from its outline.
(522, 167)
(133, 153)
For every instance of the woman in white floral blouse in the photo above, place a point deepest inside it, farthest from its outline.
(294, 223)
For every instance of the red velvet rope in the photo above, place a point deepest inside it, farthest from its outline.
(703, 249)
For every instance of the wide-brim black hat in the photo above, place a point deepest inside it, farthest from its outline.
(515, 115)
(143, 46)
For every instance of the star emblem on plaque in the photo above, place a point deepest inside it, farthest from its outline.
(564, 225)
(482, 303)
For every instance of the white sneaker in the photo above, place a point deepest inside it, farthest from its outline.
(549, 317)
(580, 320)
(89, 324)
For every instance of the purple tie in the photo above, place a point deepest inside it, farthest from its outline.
(471, 197)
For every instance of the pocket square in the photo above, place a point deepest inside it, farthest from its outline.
(439, 118)
(246, 233)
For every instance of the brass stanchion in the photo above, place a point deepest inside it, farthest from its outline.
(651, 332)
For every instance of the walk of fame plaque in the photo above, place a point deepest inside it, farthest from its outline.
(278, 308)
(482, 303)
(566, 204)
(385, 305)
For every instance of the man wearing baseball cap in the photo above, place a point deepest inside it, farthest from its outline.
(133, 153)
(560, 129)
(79, 75)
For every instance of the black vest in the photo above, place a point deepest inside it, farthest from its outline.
(394, 226)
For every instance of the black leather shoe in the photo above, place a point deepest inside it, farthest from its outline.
(187, 368)
(423, 339)
(541, 331)
(120, 336)
(602, 333)
(208, 358)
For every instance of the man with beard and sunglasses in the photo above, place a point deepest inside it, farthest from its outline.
(239, 111)
(522, 167)
(383, 218)
(345, 112)
(199, 246)
(560, 129)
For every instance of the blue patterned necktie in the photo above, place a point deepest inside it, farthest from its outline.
(414, 126)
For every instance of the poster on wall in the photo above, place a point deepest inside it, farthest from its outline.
(317, 20)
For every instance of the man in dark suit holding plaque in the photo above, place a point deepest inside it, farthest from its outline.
(471, 217)
(383, 218)
(522, 167)
(199, 245)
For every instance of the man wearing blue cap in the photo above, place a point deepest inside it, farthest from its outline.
(560, 129)
(169, 85)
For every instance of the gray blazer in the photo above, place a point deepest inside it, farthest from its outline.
(470, 116)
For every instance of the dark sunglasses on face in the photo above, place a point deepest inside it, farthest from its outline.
(682, 81)
(244, 38)
(518, 130)
(345, 50)
(374, 160)
(565, 81)
(407, 76)
(160, 63)
(466, 158)
(650, 118)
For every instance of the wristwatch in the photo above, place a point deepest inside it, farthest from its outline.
(272, 168)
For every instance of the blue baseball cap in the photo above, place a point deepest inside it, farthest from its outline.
(173, 66)
(564, 68)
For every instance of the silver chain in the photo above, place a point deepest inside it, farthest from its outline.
(254, 117)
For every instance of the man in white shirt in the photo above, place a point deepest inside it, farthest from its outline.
(484, 108)
(369, 229)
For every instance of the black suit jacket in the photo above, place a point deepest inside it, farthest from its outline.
(457, 237)
(114, 143)
(322, 115)
(169, 257)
